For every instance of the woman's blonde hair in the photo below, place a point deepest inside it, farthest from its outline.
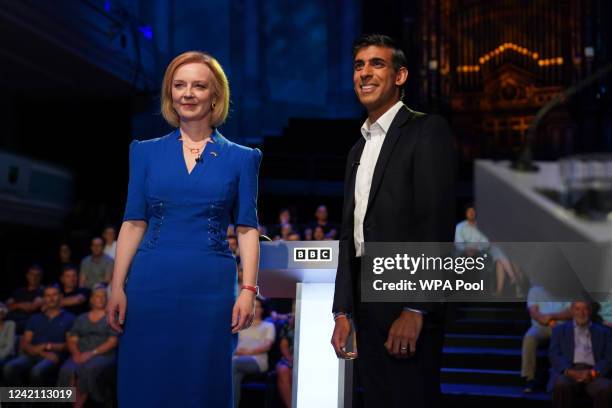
(220, 86)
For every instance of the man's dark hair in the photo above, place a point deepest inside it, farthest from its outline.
(398, 58)
(53, 286)
(469, 205)
(69, 267)
(36, 267)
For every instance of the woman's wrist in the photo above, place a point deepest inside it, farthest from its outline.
(254, 289)
(117, 286)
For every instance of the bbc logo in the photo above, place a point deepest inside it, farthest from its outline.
(312, 254)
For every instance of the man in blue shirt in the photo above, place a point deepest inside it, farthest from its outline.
(43, 344)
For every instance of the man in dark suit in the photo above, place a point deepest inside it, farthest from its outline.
(399, 187)
(581, 359)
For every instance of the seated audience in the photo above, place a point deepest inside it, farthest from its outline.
(284, 368)
(7, 337)
(581, 360)
(330, 231)
(110, 241)
(308, 234)
(251, 356)
(471, 241)
(43, 345)
(75, 299)
(64, 258)
(318, 234)
(97, 267)
(285, 231)
(294, 236)
(284, 217)
(26, 301)
(545, 314)
(91, 343)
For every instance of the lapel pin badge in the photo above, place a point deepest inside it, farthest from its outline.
(214, 154)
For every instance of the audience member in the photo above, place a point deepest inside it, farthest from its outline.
(92, 344)
(294, 236)
(110, 241)
(251, 356)
(75, 299)
(285, 231)
(43, 344)
(471, 241)
(26, 301)
(319, 233)
(284, 368)
(581, 360)
(284, 217)
(7, 336)
(330, 230)
(308, 234)
(65, 255)
(97, 267)
(545, 314)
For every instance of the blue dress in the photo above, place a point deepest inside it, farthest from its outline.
(176, 349)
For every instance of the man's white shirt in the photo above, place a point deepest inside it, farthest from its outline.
(374, 135)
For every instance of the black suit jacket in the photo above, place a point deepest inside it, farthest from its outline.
(411, 197)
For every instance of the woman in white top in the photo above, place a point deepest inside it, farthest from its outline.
(7, 336)
(251, 355)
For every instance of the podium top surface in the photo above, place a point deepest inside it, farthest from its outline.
(284, 263)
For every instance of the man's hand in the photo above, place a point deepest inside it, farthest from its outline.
(48, 355)
(38, 350)
(404, 333)
(581, 376)
(342, 330)
(86, 356)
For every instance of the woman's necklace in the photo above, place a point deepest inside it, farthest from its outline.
(194, 150)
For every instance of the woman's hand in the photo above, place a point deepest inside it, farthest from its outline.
(116, 308)
(244, 311)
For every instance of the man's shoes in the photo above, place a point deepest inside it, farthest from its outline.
(530, 386)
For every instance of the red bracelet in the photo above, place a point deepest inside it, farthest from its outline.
(254, 289)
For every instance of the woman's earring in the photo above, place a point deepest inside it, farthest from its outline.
(213, 105)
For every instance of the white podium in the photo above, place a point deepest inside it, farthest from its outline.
(306, 270)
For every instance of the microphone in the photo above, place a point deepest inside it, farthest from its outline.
(198, 159)
(355, 164)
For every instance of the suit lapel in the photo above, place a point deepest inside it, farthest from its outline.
(350, 202)
(570, 340)
(402, 116)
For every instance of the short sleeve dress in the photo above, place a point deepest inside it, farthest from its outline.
(177, 345)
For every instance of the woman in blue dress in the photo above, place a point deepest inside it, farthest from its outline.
(173, 292)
